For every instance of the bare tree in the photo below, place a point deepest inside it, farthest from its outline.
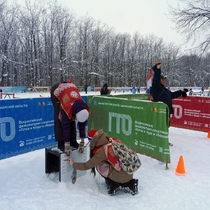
(64, 33)
(48, 36)
(189, 71)
(7, 33)
(44, 43)
(205, 70)
(84, 37)
(97, 51)
(193, 20)
(108, 56)
(29, 17)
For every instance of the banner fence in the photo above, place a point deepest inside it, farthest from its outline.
(192, 113)
(135, 122)
(27, 124)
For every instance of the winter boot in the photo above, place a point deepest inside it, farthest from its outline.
(112, 187)
(131, 186)
(67, 148)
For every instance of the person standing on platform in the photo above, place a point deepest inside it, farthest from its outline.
(68, 107)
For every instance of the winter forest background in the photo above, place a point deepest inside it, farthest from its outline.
(42, 43)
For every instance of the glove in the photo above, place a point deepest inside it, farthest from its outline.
(184, 92)
(67, 148)
(155, 66)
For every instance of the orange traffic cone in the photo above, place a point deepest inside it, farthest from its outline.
(208, 136)
(180, 169)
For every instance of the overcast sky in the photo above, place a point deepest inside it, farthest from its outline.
(129, 16)
(145, 16)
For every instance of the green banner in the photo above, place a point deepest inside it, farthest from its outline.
(141, 125)
(133, 96)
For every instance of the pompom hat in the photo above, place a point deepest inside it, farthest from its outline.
(91, 134)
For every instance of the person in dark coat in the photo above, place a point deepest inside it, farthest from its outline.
(115, 177)
(104, 88)
(190, 92)
(160, 92)
(86, 86)
(1, 93)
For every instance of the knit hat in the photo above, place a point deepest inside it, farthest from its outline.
(82, 115)
(95, 138)
(91, 134)
(79, 109)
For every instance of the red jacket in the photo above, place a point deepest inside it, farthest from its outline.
(67, 94)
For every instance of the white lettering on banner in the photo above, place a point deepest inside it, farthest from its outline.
(34, 124)
(121, 123)
(177, 111)
(3, 123)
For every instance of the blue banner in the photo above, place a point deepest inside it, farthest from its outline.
(25, 125)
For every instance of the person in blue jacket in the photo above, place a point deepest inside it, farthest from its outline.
(133, 90)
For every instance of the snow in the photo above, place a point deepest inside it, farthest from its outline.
(47, 94)
(25, 186)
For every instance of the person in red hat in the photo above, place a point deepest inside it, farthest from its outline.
(71, 108)
(107, 165)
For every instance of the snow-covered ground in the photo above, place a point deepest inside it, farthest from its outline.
(25, 186)
(47, 94)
